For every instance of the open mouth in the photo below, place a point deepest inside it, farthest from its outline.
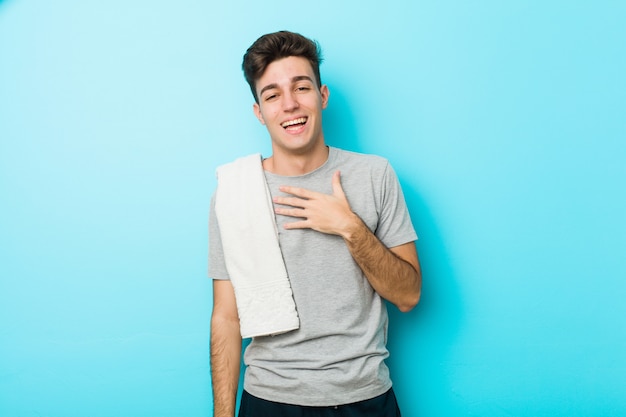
(295, 124)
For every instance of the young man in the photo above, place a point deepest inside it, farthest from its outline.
(347, 243)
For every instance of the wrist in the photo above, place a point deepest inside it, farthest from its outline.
(353, 227)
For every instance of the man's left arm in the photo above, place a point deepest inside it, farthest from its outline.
(394, 273)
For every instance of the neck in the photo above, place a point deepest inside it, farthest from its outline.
(294, 165)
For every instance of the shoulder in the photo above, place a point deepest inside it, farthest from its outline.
(361, 160)
(241, 161)
(241, 168)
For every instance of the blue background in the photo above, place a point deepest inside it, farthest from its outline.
(504, 120)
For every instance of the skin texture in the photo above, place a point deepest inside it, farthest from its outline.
(225, 349)
(287, 92)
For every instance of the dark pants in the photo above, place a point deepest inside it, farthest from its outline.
(384, 405)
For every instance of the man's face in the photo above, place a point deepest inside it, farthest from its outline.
(290, 106)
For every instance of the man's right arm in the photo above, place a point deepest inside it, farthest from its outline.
(225, 349)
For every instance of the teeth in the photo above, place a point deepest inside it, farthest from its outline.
(294, 122)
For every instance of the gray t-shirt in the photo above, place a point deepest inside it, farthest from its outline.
(337, 356)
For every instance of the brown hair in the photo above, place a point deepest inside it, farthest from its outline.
(274, 46)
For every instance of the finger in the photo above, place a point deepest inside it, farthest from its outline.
(298, 192)
(290, 212)
(290, 201)
(297, 225)
(337, 188)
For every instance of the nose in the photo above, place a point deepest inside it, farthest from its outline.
(290, 101)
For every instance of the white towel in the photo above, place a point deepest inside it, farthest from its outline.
(245, 214)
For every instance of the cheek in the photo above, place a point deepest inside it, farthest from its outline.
(265, 116)
(269, 114)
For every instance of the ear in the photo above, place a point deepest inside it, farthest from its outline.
(325, 95)
(257, 113)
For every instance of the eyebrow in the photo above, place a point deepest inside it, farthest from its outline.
(293, 80)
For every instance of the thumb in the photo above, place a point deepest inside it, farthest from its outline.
(337, 188)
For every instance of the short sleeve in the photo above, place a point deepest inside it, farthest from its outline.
(394, 225)
(217, 266)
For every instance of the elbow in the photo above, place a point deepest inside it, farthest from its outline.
(409, 302)
(224, 325)
(405, 308)
(414, 292)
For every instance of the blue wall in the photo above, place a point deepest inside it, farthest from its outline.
(504, 120)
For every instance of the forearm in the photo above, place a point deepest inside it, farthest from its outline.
(393, 278)
(225, 365)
